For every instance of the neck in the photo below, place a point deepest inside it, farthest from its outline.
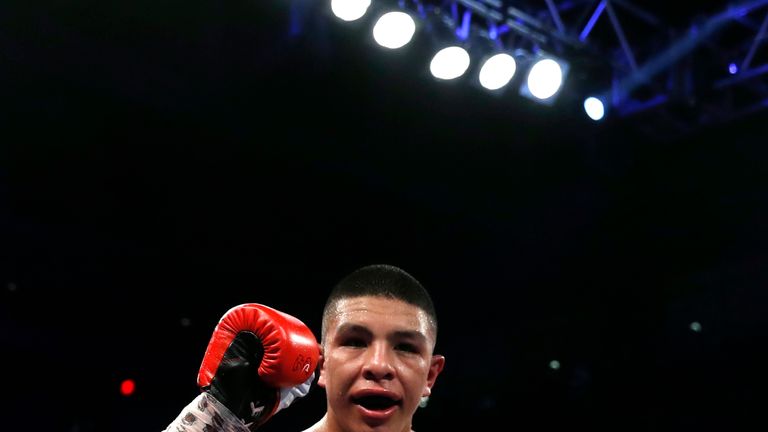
(320, 426)
(324, 425)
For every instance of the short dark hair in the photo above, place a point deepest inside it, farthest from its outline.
(380, 280)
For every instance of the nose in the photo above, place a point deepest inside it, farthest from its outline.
(378, 363)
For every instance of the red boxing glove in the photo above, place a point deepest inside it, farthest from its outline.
(258, 361)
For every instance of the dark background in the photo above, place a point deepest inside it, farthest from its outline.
(162, 162)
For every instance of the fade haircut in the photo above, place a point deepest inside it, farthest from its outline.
(380, 280)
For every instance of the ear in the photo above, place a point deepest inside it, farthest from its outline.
(321, 369)
(436, 366)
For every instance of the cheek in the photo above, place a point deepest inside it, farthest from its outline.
(335, 372)
(415, 374)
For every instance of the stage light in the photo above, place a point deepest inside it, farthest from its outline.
(394, 30)
(545, 78)
(497, 71)
(350, 10)
(449, 63)
(594, 108)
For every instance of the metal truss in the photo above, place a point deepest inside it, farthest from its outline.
(708, 69)
(686, 71)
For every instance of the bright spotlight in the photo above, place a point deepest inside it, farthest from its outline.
(349, 10)
(497, 71)
(394, 29)
(449, 63)
(545, 78)
(594, 108)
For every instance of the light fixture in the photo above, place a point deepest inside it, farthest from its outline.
(350, 10)
(544, 79)
(497, 70)
(394, 29)
(594, 107)
(449, 63)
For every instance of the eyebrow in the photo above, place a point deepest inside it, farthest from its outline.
(397, 334)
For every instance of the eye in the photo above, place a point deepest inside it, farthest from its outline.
(407, 347)
(353, 342)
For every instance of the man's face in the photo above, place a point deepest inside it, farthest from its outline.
(377, 364)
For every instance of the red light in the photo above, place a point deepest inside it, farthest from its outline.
(127, 387)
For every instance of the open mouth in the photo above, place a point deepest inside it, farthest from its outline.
(375, 403)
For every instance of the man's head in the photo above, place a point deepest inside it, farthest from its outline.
(378, 336)
(380, 280)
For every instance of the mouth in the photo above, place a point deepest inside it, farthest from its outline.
(376, 405)
(376, 402)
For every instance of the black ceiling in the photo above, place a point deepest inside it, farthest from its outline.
(160, 163)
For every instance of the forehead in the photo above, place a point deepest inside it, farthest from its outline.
(379, 313)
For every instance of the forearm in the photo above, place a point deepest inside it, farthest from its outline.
(206, 414)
